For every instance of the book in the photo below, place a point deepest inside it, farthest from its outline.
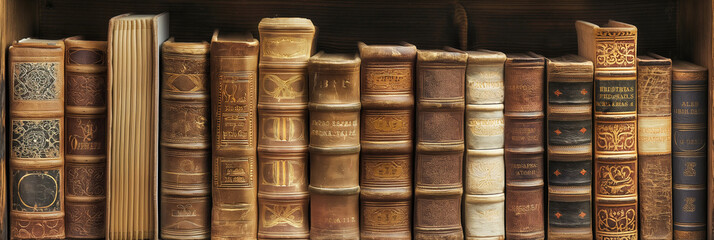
(654, 145)
(85, 148)
(569, 139)
(613, 50)
(134, 42)
(689, 150)
(524, 84)
(185, 147)
(387, 121)
(234, 88)
(440, 80)
(484, 173)
(36, 112)
(334, 146)
(283, 198)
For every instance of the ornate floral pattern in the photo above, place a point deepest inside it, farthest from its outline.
(36, 138)
(35, 81)
(615, 54)
(615, 136)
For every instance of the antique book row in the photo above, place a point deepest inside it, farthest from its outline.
(145, 137)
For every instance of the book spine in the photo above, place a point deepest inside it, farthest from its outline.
(440, 145)
(569, 139)
(654, 116)
(387, 122)
(36, 137)
(185, 141)
(524, 147)
(484, 179)
(85, 151)
(282, 136)
(234, 72)
(334, 150)
(689, 153)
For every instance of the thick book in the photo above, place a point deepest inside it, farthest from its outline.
(613, 50)
(286, 46)
(484, 172)
(37, 139)
(134, 43)
(440, 80)
(689, 150)
(654, 145)
(524, 84)
(334, 146)
(185, 141)
(234, 88)
(85, 126)
(569, 139)
(387, 122)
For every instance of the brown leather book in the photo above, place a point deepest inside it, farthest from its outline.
(440, 77)
(234, 83)
(286, 46)
(654, 131)
(36, 75)
(613, 50)
(85, 151)
(524, 83)
(386, 139)
(185, 141)
(334, 146)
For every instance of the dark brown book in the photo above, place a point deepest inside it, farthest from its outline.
(387, 121)
(36, 70)
(234, 83)
(440, 78)
(286, 46)
(334, 146)
(85, 151)
(654, 145)
(185, 141)
(524, 82)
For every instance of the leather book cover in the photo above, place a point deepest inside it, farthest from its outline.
(185, 141)
(36, 79)
(524, 84)
(654, 145)
(234, 83)
(283, 198)
(440, 80)
(613, 50)
(484, 172)
(569, 139)
(387, 122)
(85, 126)
(334, 146)
(689, 150)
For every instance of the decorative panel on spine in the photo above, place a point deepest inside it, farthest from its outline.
(36, 75)
(286, 46)
(484, 173)
(524, 80)
(387, 122)
(85, 151)
(613, 51)
(334, 146)
(185, 141)
(569, 132)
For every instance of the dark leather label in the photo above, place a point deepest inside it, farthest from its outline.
(86, 56)
(524, 166)
(570, 92)
(570, 173)
(36, 190)
(615, 95)
(689, 105)
(689, 206)
(569, 214)
(689, 169)
(570, 133)
(689, 140)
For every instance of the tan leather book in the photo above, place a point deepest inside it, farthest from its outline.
(334, 146)
(387, 121)
(286, 46)
(185, 141)
(134, 42)
(85, 148)
(570, 155)
(440, 78)
(613, 50)
(234, 83)
(36, 76)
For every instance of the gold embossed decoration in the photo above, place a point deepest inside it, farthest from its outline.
(616, 180)
(619, 136)
(617, 220)
(35, 81)
(36, 138)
